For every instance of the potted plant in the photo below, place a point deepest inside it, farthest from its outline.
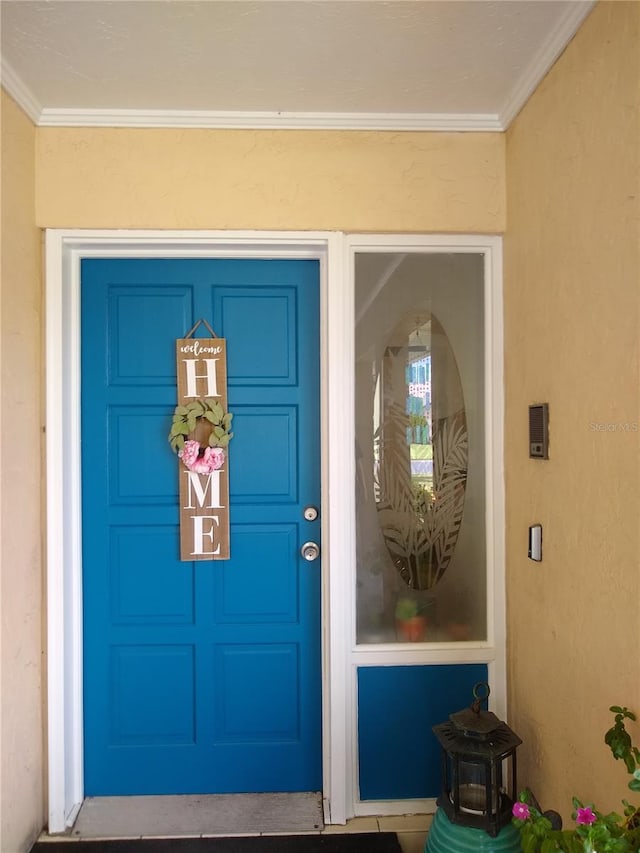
(411, 621)
(594, 832)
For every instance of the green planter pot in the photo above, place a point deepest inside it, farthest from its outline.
(447, 837)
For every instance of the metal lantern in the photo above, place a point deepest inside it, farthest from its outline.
(478, 775)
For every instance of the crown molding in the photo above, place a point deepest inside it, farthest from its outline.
(19, 91)
(236, 120)
(529, 81)
(269, 120)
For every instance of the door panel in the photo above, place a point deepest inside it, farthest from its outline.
(200, 677)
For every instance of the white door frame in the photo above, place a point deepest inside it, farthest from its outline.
(64, 251)
(340, 654)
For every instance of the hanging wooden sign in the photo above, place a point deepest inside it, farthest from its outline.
(200, 434)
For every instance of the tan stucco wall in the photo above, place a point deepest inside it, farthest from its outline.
(21, 744)
(137, 178)
(572, 298)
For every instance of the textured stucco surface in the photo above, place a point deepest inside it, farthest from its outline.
(359, 181)
(572, 322)
(21, 744)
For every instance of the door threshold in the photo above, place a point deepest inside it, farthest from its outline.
(197, 815)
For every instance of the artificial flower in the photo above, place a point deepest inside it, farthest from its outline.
(189, 453)
(212, 459)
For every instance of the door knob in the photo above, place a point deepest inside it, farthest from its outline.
(310, 551)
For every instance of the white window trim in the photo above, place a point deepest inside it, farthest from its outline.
(493, 650)
(64, 250)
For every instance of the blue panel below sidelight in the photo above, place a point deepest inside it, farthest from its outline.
(398, 755)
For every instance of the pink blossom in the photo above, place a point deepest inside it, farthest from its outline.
(189, 452)
(586, 816)
(212, 459)
(215, 457)
(521, 811)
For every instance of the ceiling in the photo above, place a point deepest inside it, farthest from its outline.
(361, 64)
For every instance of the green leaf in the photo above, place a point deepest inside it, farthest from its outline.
(218, 431)
(209, 416)
(180, 410)
(177, 443)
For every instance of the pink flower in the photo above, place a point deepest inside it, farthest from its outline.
(521, 811)
(212, 459)
(586, 816)
(189, 453)
(215, 457)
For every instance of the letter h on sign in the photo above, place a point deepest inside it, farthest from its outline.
(211, 377)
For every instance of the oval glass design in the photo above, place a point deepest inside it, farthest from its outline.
(420, 450)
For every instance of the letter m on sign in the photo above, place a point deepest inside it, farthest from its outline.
(204, 498)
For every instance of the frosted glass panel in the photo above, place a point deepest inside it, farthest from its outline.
(421, 556)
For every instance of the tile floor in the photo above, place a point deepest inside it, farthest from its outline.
(411, 830)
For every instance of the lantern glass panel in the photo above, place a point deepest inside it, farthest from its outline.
(472, 781)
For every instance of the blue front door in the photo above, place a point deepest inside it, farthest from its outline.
(200, 677)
